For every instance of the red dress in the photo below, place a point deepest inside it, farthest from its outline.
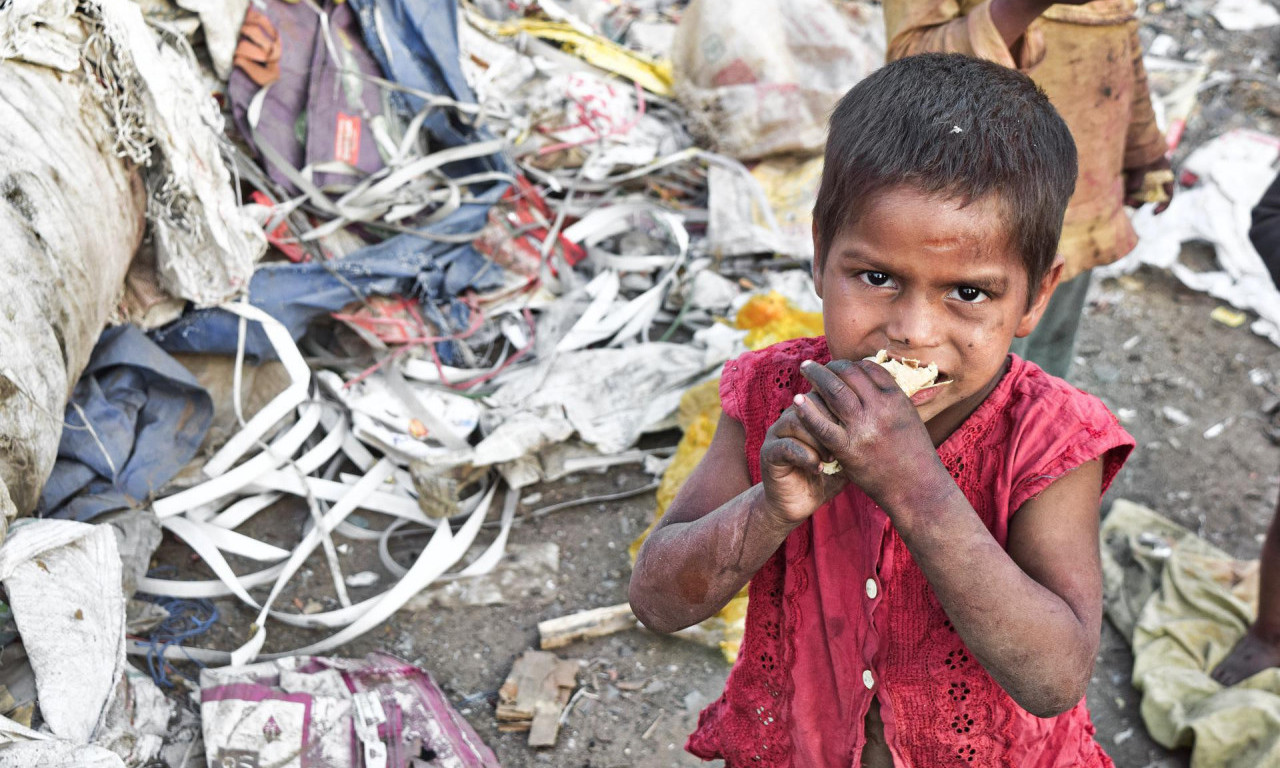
(841, 612)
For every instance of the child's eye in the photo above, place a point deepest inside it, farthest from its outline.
(968, 295)
(877, 279)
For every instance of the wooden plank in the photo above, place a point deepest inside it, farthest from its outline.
(597, 622)
(546, 724)
(534, 694)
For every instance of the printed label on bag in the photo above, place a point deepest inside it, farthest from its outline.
(236, 758)
(346, 139)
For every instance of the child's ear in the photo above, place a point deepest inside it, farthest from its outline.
(1041, 300)
(817, 260)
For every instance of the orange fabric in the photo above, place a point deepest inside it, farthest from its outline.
(259, 50)
(842, 613)
(1089, 61)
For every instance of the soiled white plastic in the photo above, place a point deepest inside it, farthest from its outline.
(1234, 170)
(63, 580)
(759, 77)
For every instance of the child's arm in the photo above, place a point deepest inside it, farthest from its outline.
(1265, 232)
(1145, 148)
(993, 30)
(1031, 615)
(720, 528)
(1260, 646)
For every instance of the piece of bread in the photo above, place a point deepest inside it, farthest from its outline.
(909, 374)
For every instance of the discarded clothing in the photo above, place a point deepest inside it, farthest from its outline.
(1184, 603)
(259, 50)
(318, 113)
(146, 417)
(296, 294)
(416, 43)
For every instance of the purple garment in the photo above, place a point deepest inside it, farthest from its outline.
(320, 109)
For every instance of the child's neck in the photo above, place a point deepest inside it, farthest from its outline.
(941, 426)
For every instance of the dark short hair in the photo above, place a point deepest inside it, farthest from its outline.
(960, 127)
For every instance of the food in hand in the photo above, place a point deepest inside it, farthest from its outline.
(1153, 186)
(910, 374)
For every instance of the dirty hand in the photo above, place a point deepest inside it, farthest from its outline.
(860, 415)
(790, 469)
(1251, 655)
(1149, 184)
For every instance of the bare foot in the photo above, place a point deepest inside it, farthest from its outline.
(1251, 655)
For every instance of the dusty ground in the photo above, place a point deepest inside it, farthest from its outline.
(1146, 343)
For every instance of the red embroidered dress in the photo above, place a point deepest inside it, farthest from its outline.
(841, 612)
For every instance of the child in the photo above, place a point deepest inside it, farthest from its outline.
(1087, 58)
(938, 601)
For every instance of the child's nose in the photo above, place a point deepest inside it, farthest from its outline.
(914, 323)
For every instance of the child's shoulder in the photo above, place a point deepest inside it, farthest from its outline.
(1053, 427)
(751, 381)
(1035, 394)
(783, 353)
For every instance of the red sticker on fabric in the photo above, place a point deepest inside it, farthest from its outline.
(346, 139)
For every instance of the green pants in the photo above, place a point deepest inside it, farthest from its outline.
(1052, 345)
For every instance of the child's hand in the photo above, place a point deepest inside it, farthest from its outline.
(859, 415)
(1150, 183)
(790, 469)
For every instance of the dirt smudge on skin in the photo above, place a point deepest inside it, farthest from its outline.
(694, 585)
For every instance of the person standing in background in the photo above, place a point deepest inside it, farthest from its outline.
(1087, 58)
(1259, 648)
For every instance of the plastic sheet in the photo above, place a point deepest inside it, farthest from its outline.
(1230, 173)
(760, 77)
(340, 713)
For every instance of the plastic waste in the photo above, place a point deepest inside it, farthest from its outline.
(340, 713)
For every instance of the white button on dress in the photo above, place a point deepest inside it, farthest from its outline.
(868, 680)
(872, 590)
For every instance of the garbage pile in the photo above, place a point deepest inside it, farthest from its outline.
(390, 263)
(387, 262)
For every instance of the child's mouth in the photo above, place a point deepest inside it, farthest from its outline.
(928, 393)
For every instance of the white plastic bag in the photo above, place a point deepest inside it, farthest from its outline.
(759, 77)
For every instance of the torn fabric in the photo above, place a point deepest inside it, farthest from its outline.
(136, 417)
(1186, 604)
(296, 294)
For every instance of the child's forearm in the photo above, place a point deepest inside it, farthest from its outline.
(1027, 637)
(687, 571)
(1012, 17)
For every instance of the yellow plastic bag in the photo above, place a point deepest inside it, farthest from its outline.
(654, 75)
(769, 318)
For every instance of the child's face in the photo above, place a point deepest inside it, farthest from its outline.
(927, 279)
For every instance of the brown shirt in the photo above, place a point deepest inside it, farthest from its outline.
(1088, 60)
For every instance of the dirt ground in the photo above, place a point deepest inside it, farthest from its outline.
(1146, 344)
